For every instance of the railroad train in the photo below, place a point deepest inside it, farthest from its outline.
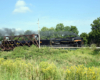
(71, 41)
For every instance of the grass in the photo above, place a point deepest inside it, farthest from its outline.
(55, 59)
(85, 56)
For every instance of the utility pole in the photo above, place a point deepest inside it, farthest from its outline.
(39, 33)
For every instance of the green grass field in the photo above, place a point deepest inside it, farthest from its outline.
(32, 63)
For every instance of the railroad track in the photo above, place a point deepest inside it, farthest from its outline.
(67, 47)
(74, 47)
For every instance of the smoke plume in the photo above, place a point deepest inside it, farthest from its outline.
(57, 34)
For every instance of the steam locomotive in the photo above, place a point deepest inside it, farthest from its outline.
(71, 41)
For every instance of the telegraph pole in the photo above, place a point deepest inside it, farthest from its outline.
(39, 33)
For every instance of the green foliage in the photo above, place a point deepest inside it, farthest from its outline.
(18, 39)
(81, 73)
(48, 70)
(47, 63)
(93, 46)
(51, 29)
(59, 27)
(96, 24)
(59, 56)
(67, 28)
(0, 49)
(44, 29)
(94, 35)
(59, 32)
(28, 32)
(74, 29)
(85, 37)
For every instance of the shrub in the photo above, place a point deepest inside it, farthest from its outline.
(48, 70)
(93, 46)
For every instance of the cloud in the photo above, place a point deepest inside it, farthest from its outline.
(20, 7)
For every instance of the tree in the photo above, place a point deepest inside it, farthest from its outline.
(59, 27)
(91, 38)
(74, 29)
(67, 28)
(51, 29)
(85, 37)
(28, 32)
(47, 33)
(43, 33)
(59, 32)
(94, 36)
(96, 24)
(44, 29)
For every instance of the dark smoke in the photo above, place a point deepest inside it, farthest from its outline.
(43, 34)
(14, 32)
(59, 34)
(29, 32)
(9, 32)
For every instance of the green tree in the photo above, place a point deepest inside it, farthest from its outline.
(94, 35)
(43, 32)
(96, 25)
(85, 37)
(91, 37)
(47, 33)
(74, 29)
(67, 28)
(28, 32)
(59, 27)
(44, 29)
(51, 29)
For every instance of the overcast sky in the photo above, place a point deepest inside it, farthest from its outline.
(24, 14)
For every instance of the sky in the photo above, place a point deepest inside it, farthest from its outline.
(24, 14)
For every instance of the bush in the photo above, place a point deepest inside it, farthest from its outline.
(93, 46)
(48, 70)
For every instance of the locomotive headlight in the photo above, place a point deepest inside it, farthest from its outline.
(52, 41)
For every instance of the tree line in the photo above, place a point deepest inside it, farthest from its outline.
(92, 37)
(61, 31)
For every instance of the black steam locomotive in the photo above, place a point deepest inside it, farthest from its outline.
(71, 41)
